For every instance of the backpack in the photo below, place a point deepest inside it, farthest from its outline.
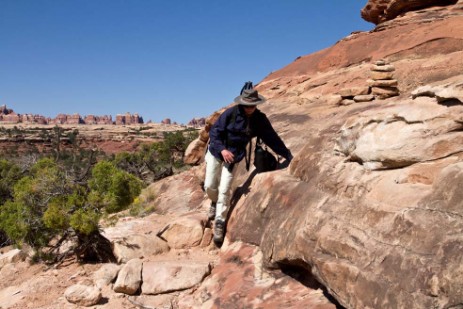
(264, 161)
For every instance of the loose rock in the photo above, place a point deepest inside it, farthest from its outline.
(83, 295)
(129, 278)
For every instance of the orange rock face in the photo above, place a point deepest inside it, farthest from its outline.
(378, 11)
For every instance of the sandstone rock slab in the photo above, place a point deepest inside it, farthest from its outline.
(383, 68)
(451, 89)
(129, 277)
(162, 301)
(240, 272)
(194, 154)
(364, 98)
(138, 246)
(382, 83)
(9, 257)
(402, 135)
(381, 75)
(184, 233)
(106, 274)
(353, 91)
(167, 276)
(385, 92)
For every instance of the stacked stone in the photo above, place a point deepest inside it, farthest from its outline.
(355, 95)
(382, 82)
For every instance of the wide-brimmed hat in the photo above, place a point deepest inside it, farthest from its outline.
(250, 97)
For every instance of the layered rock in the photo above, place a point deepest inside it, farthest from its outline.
(32, 119)
(363, 207)
(382, 82)
(128, 119)
(9, 116)
(92, 119)
(197, 122)
(4, 110)
(378, 11)
(166, 121)
(355, 94)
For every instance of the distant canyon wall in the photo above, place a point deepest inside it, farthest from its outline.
(8, 115)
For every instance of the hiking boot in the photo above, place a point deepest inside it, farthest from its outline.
(211, 213)
(219, 231)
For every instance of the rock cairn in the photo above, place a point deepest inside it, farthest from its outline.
(382, 82)
(380, 85)
(355, 94)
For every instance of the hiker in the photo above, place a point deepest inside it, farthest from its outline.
(228, 139)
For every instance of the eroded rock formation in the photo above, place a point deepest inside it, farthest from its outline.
(9, 116)
(370, 205)
(378, 11)
(128, 119)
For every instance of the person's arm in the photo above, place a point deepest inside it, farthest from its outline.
(218, 134)
(218, 137)
(271, 138)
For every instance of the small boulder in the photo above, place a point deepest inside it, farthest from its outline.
(353, 91)
(129, 278)
(184, 233)
(106, 274)
(207, 238)
(364, 98)
(194, 154)
(346, 102)
(12, 256)
(83, 295)
(385, 92)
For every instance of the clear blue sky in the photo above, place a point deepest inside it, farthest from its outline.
(175, 59)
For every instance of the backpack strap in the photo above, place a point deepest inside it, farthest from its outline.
(247, 156)
(233, 116)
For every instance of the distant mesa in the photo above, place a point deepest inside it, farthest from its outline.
(197, 122)
(128, 118)
(7, 115)
(166, 121)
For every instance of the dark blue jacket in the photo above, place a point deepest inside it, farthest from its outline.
(233, 130)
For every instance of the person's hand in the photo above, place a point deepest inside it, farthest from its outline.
(228, 156)
(289, 158)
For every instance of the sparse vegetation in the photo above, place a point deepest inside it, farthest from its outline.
(65, 195)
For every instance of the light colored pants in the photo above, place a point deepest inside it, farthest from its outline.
(217, 185)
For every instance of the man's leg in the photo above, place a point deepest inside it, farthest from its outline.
(211, 181)
(223, 201)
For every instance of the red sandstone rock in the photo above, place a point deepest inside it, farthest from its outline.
(378, 11)
(197, 122)
(9, 116)
(128, 119)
